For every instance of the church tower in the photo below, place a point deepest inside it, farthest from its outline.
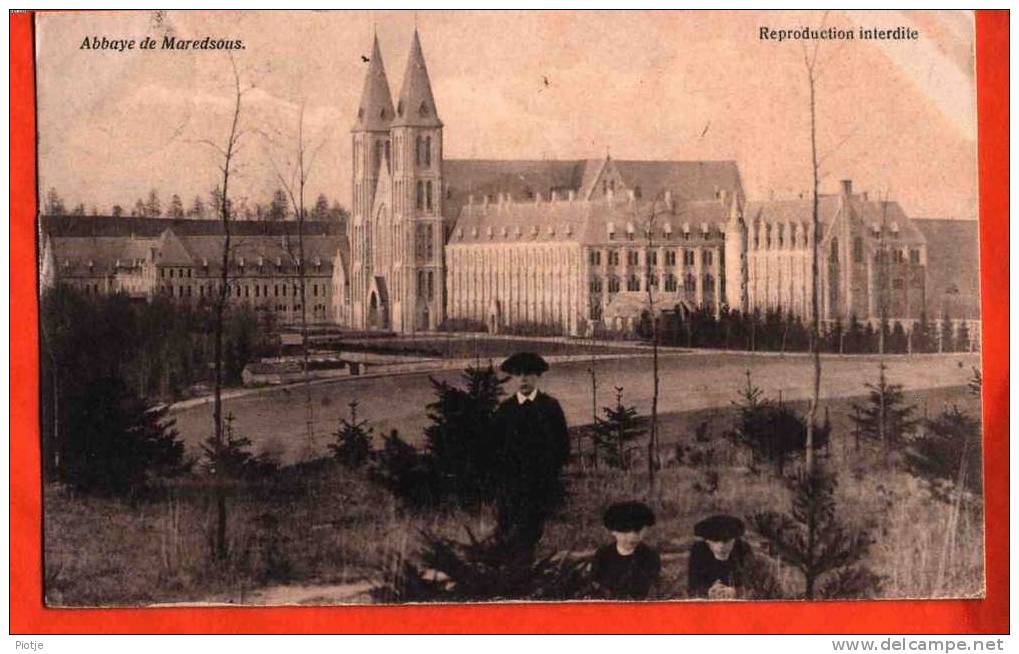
(416, 135)
(371, 150)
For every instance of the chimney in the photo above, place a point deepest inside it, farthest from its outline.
(847, 187)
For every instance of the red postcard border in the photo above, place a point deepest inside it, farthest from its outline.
(989, 615)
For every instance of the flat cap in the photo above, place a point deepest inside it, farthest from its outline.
(719, 528)
(628, 516)
(524, 363)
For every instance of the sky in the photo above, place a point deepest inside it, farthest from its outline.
(896, 117)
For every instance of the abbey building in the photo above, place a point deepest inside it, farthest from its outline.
(573, 246)
(576, 245)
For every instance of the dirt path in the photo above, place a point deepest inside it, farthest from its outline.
(275, 419)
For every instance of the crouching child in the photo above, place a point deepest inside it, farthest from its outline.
(719, 560)
(627, 568)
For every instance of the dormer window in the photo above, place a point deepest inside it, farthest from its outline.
(360, 112)
(399, 108)
(423, 109)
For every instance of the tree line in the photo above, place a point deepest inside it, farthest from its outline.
(776, 331)
(108, 362)
(277, 208)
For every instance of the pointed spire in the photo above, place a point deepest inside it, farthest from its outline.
(376, 109)
(416, 106)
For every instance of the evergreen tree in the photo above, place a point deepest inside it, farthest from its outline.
(962, 337)
(233, 459)
(79, 209)
(897, 341)
(119, 441)
(947, 334)
(339, 214)
(353, 446)
(320, 211)
(811, 539)
(976, 382)
(117, 211)
(614, 433)
(176, 209)
(197, 210)
(405, 472)
(773, 432)
(153, 209)
(54, 204)
(948, 452)
(458, 438)
(139, 209)
(885, 417)
(918, 337)
(279, 205)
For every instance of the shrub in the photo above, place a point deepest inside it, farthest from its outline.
(614, 433)
(812, 539)
(119, 442)
(353, 446)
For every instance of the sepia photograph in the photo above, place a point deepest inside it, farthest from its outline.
(394, 307)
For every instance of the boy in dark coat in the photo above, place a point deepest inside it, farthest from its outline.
(717, 561)
(531, 447)
(626, 568)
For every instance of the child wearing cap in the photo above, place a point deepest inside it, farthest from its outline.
(626, 568)
(717, 560)
(531, 444)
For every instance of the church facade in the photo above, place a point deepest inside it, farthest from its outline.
(576, 245)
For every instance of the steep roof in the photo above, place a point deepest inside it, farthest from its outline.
(524, 178)
(375, 112)
(416, 106)
(687, 180)
(587, 222)
(100, 226)
(872, 213)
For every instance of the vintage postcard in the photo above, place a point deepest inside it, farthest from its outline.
(454, 307)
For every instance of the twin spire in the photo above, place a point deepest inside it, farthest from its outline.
(416, 105)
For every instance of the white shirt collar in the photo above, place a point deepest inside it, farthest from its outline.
(521, 398)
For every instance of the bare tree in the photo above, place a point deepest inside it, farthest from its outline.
(228, 152)
(810, 62)
(651, 284)
(294, 183)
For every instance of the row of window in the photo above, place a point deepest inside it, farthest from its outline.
(667, 235)
(597, 284)
(633, 257)
(242, 290)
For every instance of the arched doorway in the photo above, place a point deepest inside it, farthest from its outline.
(378, 307)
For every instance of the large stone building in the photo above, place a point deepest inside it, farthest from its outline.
(576, 244)
(571, 245)
(182, 259)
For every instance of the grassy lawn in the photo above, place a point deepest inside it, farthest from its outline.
(276, 420)
(320, 524)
